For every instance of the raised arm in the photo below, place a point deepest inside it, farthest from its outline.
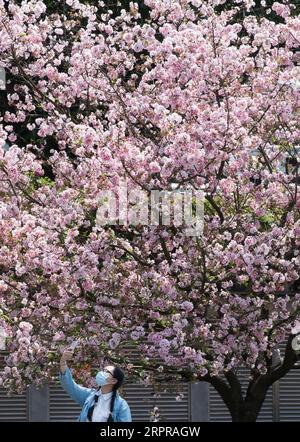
(78, 393)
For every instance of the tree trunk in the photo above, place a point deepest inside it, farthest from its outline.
(246, 414)
(248, 409)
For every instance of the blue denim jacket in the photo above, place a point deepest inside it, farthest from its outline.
(85, 398)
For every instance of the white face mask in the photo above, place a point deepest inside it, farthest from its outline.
(101, 378)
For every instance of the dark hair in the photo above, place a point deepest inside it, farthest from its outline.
(117, 374)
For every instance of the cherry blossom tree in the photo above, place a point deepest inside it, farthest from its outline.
(185, 96)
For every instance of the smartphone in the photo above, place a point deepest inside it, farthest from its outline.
(73, 345)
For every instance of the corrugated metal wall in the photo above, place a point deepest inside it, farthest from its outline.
(289, 397)
(61, 407)
(141, 400)
(13, 408)
(289, 394)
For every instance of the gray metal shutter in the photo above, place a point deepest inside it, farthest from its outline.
(61, 407)
(13, 408)
(289, 397)
(218, 411)
(141, 400)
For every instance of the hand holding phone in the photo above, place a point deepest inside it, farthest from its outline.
(73, 345)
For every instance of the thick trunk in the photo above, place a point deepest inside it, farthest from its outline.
(248, 410)
(246, 414)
